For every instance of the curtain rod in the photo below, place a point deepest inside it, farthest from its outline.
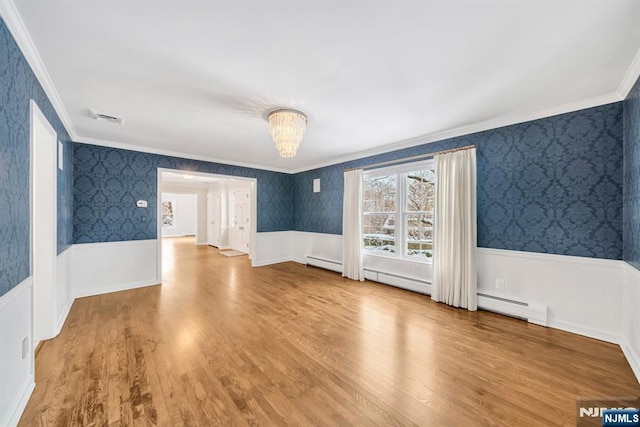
(406, 159)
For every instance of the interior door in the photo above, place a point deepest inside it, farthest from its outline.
(213, 219)
(241, 221)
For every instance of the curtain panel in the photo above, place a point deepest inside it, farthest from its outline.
(455, 280)
(352, 266)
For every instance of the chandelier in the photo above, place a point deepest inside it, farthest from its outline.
(287, 129)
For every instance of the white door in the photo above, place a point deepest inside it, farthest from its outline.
(213, 219)
(241, 221)
(44, 225)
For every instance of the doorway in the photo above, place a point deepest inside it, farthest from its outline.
(215, 207)
(44, 231)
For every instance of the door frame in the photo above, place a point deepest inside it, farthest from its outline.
(44, 303)
(253, 208)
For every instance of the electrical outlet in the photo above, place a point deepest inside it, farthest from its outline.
(25, 347)
(500, 284)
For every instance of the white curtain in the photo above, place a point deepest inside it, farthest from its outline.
(352, 226)
(455, 280)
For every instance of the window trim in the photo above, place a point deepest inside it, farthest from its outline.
(400, 233)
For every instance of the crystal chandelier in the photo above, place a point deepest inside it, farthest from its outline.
(287, 129)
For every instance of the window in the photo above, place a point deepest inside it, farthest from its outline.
(168, 214)
(398, 211)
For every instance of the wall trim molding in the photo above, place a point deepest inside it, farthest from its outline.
(62, 318)
(21, 403)
(117, 288)
(630, 77)
(602, 262)
(632, 358)
(15, 292)
(24, 41)
(117, 243)
(263, 263)
(574, 328)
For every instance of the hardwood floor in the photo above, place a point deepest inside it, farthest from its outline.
(221, 343)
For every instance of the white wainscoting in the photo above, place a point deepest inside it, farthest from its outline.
(324, 246)
(272, 248)
(64, 293)
(582, 295)
(630, 342)
(99, 268)
(16, 372)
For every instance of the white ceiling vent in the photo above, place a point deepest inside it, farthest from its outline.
(102, 117)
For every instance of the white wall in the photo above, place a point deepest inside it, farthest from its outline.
(631, 318)
(184, 214)
(16, 372)
(64, 293)
(582, 295)
(99, 268)
(200, 192)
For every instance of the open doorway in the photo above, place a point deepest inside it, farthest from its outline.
(218, 221)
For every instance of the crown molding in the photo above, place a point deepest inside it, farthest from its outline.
(18, 30)
(471, 129)
(630, 78)
(182, 155)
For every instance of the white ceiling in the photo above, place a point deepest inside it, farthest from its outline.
(198, 77)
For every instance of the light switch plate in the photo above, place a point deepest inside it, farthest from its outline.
(141, 203)
(316, 185)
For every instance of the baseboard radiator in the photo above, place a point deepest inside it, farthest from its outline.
(532, 313)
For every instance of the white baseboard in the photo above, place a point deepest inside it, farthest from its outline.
(64, 314)
(632, 358)
(585, 331)
(21, 404)
(116, 288)
(265, 262)
(100, 268)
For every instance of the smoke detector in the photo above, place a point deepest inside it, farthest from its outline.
(103, 117)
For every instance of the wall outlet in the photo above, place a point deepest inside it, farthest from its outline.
(500, 284)
(25, 347)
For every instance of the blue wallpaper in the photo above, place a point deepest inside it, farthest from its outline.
(17, 86)
(632, 177)
(108, 181)
(552, 185)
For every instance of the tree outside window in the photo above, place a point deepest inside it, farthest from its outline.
(168, 214)
(398, 211)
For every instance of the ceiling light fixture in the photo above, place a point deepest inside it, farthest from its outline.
(287, 129)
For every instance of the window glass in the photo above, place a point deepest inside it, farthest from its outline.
(398, 212)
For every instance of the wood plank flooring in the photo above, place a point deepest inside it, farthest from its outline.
(221, 343)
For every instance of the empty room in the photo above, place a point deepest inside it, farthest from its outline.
(409, 213)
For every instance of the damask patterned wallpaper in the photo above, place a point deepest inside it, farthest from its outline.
(17, 86)
(552, 185)
(108, 181)
(632, 177)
